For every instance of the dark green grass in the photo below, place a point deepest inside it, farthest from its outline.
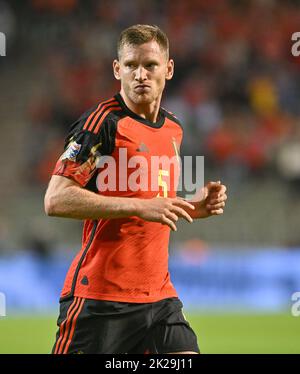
(217, 333)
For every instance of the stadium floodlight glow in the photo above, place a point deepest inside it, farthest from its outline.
(2, 305)
(2, 44)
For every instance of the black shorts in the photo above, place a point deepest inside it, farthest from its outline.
(93, 326)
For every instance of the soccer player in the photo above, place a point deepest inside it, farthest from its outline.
(118, 296)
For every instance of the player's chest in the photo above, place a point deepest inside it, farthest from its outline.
(139, 140)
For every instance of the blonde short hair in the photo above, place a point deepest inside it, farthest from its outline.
(140, 34)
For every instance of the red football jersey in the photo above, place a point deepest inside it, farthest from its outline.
(114, 152)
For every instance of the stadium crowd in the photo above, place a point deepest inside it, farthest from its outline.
(236, 90)
(236, 85)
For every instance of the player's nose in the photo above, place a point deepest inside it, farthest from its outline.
(140, 74)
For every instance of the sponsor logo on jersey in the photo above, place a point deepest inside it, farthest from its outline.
(142, 148)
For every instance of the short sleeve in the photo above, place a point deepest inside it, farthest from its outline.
(82, 150)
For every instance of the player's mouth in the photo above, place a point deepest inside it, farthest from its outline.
(141, 88)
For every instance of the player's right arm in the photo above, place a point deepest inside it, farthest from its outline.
(67, 198)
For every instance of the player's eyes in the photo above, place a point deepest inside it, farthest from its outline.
(151, 65)
(130, 65)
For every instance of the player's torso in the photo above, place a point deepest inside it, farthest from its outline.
(127, 258)
(144, 162)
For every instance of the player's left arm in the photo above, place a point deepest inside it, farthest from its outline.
(211, 201)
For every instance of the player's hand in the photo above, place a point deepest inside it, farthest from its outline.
(212, 201)
(165, 210)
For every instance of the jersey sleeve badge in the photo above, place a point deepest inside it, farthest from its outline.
(71, 152)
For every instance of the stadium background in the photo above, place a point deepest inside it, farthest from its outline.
(236, 89)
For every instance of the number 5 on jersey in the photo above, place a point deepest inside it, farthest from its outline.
(162, 183)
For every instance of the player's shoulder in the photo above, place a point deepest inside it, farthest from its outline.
(97, 125)
(98, 122)
(93, 118)
(171, 116)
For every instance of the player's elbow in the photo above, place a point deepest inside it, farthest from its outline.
(49, 205)
(58, 197)
(52, 204)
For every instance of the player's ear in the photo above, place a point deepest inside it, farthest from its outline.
(170, 69)
(116, 69)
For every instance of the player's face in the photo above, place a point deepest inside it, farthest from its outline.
(143, 71)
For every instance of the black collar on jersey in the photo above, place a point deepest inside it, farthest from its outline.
(159, 123)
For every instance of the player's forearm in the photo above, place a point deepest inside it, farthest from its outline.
(78, 203)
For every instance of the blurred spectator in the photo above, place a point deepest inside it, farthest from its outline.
(235, 89)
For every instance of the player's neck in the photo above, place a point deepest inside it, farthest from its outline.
(147, 111)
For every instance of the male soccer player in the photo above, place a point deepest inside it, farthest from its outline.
(118, 296)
